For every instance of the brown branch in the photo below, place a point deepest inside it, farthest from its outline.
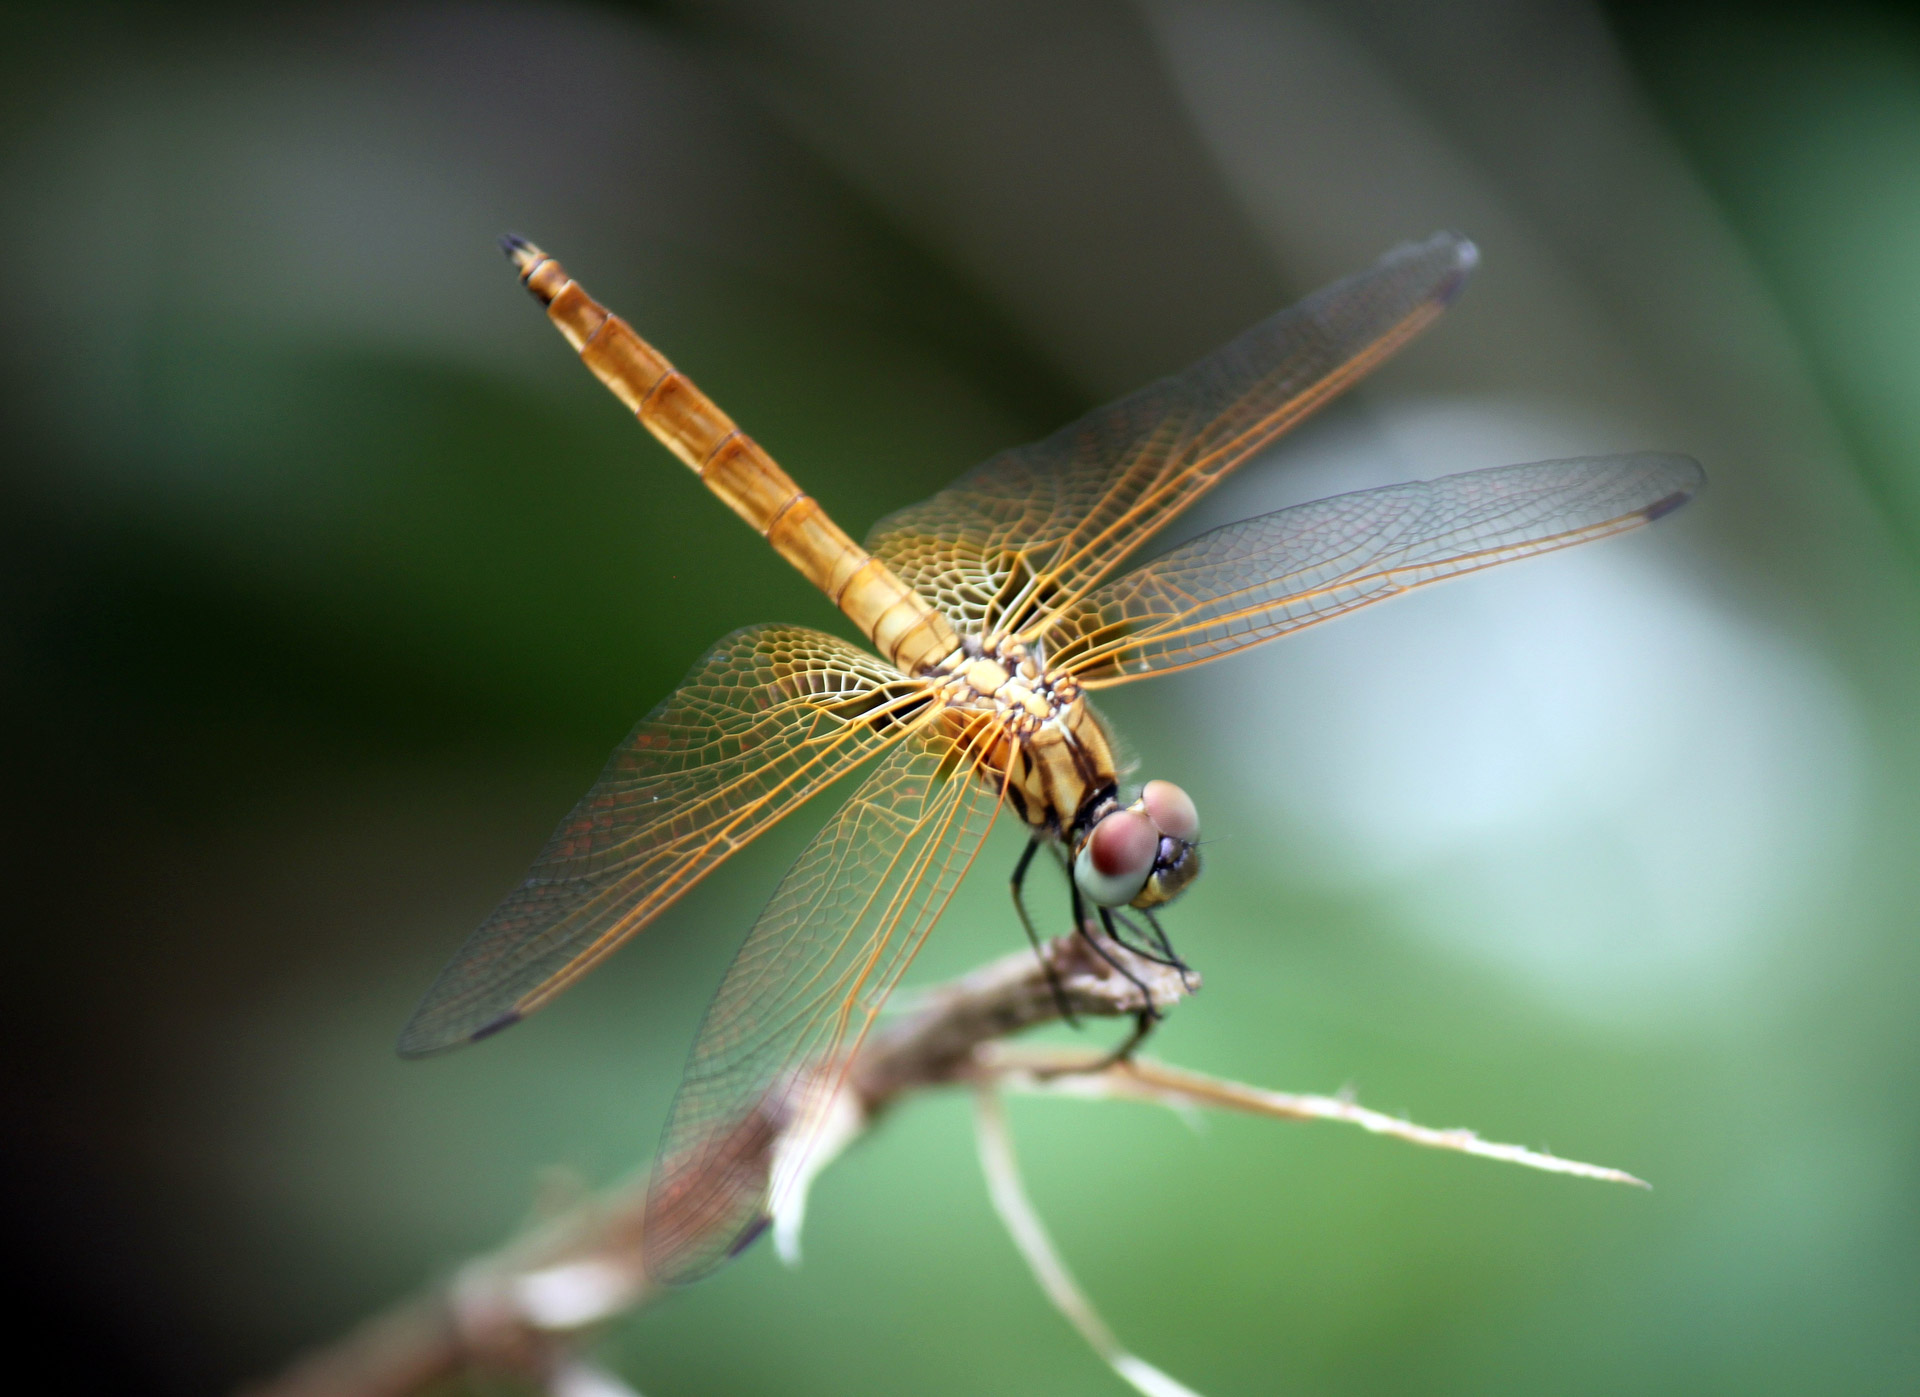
(521, 1310)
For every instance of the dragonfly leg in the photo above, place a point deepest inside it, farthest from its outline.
(1143, 1024)
(1033, 939)
(1144, 1018)
(1171, 961)
(1148, 1007)
(1173, 957)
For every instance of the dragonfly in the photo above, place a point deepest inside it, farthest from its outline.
(994, 611)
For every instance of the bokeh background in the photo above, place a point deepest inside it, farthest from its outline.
(330, 578)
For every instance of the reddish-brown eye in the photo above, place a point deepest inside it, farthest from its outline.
(1113, 864)
(1171, 810)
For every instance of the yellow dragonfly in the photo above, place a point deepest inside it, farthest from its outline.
(994, 610)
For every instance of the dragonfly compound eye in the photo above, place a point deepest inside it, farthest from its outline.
(1175, 864)
(1171, 810)
(1112, 866)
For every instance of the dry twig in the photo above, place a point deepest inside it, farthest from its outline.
(525, 1309)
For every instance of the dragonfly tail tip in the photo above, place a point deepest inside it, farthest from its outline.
(520, 252)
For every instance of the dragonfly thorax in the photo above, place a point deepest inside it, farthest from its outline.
(1006, 676)
(1040, 740)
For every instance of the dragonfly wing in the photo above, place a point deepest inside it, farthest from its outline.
(776, 1041)
(1030, 530)
(1248, 582)
(766, 718)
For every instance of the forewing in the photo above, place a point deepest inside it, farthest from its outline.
(1029, 531)
(773, 1049)
(766, 718)
(1261, 578)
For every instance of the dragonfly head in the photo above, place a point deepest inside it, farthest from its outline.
(1143, 854)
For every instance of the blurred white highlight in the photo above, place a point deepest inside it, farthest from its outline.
(580, 1293)
(1579, 768)
(579, 1378)
(827, 1118)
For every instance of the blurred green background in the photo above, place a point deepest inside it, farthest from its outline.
(331, 578)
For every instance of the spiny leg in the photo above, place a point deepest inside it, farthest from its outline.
(1144, 1020)
(1172, 957)
(1160, 936)
(1106, 920)
(1122, 919)
(1033, 939)
(1143, 1024)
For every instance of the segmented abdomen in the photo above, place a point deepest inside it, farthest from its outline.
(905, 628)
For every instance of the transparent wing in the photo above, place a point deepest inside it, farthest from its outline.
(1252, 581)
(766, 718)
(1029, 531)
(806, 984)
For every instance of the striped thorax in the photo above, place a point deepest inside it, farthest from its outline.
(1046, 742)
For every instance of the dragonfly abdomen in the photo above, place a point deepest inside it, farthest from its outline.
(907, 630)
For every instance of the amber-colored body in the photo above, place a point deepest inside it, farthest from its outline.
(901, 625)
(1036, 736)
(995, 607)
(1045, 744)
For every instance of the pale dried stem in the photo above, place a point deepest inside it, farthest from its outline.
(1010, 1201)
(1067, 1072)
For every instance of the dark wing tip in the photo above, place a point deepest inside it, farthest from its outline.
(1688, 480)
(1659, 509)
(493, 1026)
(417, 1040)
(748, 1236)
(703, 1264)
